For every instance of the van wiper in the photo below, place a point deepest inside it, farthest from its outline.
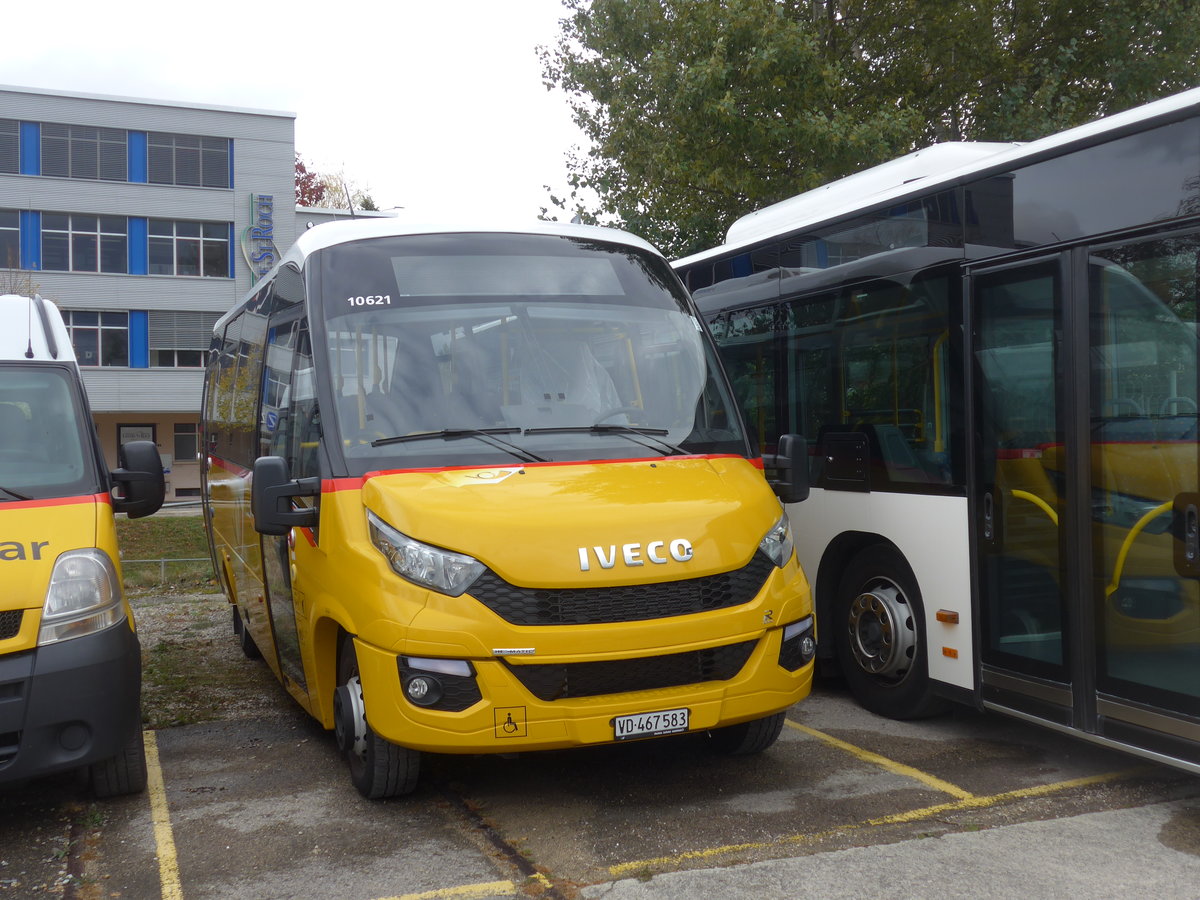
(14, 494)
(653, 434)
(487, 435)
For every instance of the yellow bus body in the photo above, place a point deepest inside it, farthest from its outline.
(527, 524)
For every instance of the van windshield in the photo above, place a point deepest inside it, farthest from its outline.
(44, 450)
(499, 348)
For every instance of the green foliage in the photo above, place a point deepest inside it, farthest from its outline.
(699, 111)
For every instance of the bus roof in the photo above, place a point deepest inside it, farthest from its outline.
(924, 171)
(329, 234)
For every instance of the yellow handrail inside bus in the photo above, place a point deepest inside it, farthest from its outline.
(1145, 520)
(1039, 503)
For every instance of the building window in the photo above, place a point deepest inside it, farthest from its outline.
(81, 243)
(189, 248)
(179, 339)
(99, 338)
(10, 239)
(79, 151)
(187, 443)
(10, 145)
(187, 159)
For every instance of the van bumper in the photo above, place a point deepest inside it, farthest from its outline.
(508, 718)
(69, 704)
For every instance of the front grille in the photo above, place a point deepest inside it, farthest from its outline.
(632, 603)
(10, 623)
(561, 681)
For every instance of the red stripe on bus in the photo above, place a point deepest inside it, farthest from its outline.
(57, 501)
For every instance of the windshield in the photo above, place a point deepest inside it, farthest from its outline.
(44, 452)
(495, 348)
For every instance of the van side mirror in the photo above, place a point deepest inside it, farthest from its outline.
(139, 479)
(271, 497)
(787, 468)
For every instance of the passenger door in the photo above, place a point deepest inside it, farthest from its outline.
(1022, 486)
(284, 422)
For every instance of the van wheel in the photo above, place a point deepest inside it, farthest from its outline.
(747, 738)
(245, 641)
(879, 633)
(378, 768)
(124, 773)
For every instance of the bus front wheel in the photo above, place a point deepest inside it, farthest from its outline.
(879, 625)
(378, 768)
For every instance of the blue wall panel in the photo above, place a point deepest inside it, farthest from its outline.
(139, 246)
(139, 339)
(31, 239)
(138, 165)
(31, 148)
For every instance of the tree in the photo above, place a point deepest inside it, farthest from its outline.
(342, 193)
(329, 189)
(310, 189)
(698, 111)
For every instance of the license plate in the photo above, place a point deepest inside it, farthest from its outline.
(667, 721)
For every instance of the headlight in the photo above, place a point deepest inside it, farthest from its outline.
(431, 567)
(84, 596)
(778, 542)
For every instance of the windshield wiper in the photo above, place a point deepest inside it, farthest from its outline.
(487, 435)
(653, 434)
(14, 494)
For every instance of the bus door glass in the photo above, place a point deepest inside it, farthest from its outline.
(1020, 477)
(286, 396)
(1145, 490)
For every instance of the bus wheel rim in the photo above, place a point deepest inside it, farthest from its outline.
(882, 636)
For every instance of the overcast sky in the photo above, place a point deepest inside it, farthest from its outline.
(432, 105)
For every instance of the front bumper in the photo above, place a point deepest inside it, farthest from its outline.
(69, 704)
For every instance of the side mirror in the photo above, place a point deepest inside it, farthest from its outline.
(139, 478)
(271, 497)
(790, 466)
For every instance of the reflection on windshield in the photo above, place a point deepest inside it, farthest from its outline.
(42, 453)
(541, 370)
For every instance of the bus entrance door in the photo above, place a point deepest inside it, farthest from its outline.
(1021, 489)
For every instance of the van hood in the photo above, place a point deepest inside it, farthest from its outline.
(32, 535)
(612, 523)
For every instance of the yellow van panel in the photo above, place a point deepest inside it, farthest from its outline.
(32, 535)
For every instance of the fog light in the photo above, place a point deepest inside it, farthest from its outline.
(422, 690)
(799, 645)
(447, 685)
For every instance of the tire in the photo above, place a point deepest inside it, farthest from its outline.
(378, 768)
(124, 773)
(747, 738)
(879, 634)
(245, 641)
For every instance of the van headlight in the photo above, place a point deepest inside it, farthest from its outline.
(84, 596)
(431, 567)
(778, 543)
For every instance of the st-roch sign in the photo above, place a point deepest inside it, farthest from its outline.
(258, 238)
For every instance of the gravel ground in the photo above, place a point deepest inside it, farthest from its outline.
(192, 667)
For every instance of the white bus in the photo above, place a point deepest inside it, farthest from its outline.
(990, 350)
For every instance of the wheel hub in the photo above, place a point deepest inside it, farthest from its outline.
(882, 636)
(350, 719)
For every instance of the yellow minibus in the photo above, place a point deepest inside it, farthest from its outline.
(486, 490)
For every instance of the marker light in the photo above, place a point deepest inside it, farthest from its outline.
(777, 543)
(442, 570)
